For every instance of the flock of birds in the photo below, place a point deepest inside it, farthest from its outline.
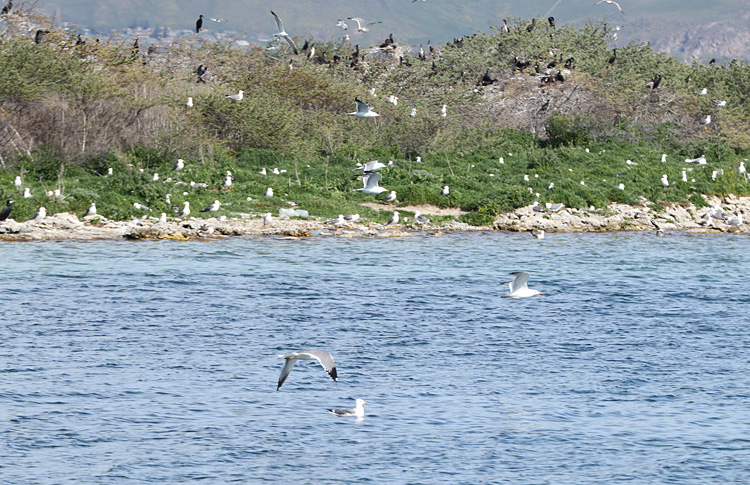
(518, 290)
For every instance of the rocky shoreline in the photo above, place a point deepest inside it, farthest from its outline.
(727, 215)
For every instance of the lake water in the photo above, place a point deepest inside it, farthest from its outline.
(157, 362)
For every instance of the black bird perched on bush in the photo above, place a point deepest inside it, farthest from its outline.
(6, 10)
(6, 212)
(551, 21)
(613, 57)
(388, 42)
(199, 24)
(655, 81)
(531, 25)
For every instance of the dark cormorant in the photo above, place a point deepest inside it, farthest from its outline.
(6, 10)
(551, 21)
(387, 42)
(39, 37)
(199, 24)
(655, 81)
(613, 57)
(559, 76)
(486, 79)
(200, 72)
(531, 25)
(6, 212)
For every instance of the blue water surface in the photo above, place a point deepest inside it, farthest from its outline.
(157, 362)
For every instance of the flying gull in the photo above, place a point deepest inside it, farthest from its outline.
(518, 288)
(371, 183)
(282, 33)
(611, 2)
(358, 411)
(364, 110)
(342, 24)
(370, 166)
(361, 25)
(321, 356)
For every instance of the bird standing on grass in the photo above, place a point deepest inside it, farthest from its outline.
(213, 207)
(705, 122)
(236, 97)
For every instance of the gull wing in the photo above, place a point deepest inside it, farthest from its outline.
(325, 359)
(362, 107)
(358, 20)
(373, 23)
(279, 23)
(291, 43)
(288, 365)
(519, 280)
(371, 181)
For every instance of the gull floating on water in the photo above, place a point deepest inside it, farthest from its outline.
(364, 110)
(518, 287)
(371, 186)
(282, 33)
(538, 235)
(321, 356)
(361, 25)
(358, 411)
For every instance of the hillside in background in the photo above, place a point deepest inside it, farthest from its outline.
(684, 29)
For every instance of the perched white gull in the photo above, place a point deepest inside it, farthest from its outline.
(361, 25)
(663, 158)
(351, 217)
(269, 192)
(179, 165)
(18, 182)
(555, 207)
(444, 111)
(705, 121)
(420, 219)
(370, 181)
(413, 112)
(338, 221)
(163, 218)
(392, 99)
(213, 207)
(267, 219)
(364, 110)
(27, 193)
(141, 207)
(389, 197)
(263, 171)
(321, 356)
(537, 207)
(736, 220)
(185, 210)
(155, 178)
(394, 218)
(189, 103)
(370, 166)
(446, 190)
(518, 288)
(357, 412)
(630, 162)
(697, 161)
(91, 210)
(664, 180)
(720, 103)
(704, 92)
(282, 33)
(228, 180)
(236, 97)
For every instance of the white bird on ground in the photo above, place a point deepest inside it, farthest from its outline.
(611, 2)
(413, 112)
(742, 169)
(39, 215)
(361, 25)
(519, 288)
(420, 219)
(91, 211)
(155, 177)
(539, 234)
(342, 24)
(697, 161)
(27, 193)
(526, 178)
(684, 176)
(263, 171)
(358, 411)
(446, 190)
(109, 171)
(392, 99)
(323, 357)
(282, 33)
(663, 158)
(236, 97)
(419, 159)
(444, 111)
(720, 103)
(275, 171)
(704, 92)
(705, 122)
(267, 219)
(189, 103)
(227, 180)
(364, 110)
(664, 181)
(630, 162)
(394, 219)
(370, 166)
(163, 218)
(185, 210)
(213, 207)
(18, 182)
(351, 217)
(389, 197)
(501, 161)
(179, 164)
(536, 207)
(371, 186)
(736, 220)
(337, 221)
(551, 186)
(269, 192)
(141, 207)
(554, 207)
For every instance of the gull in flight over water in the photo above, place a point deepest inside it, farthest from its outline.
(611, 2)
(358, 411)
(342, 24)
(282, 33)
(361, 25)
(518, 288)
(321, 356)
(364, 110)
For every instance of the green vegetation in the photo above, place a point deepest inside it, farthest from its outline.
(70, 112)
